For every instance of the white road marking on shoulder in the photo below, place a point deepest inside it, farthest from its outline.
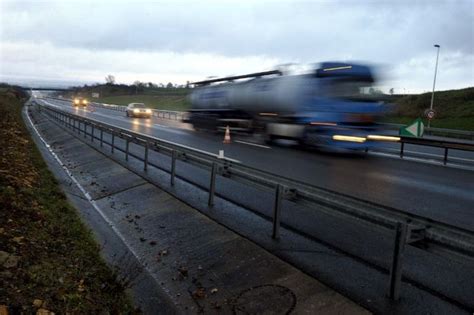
(253, 144)
(425, 161)
(430, 154)
(89, 198)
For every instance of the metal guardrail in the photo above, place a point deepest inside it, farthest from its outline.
(450, 133)
(408, 229)
(446, 145)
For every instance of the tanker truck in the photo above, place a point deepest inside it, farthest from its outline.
(329, 106)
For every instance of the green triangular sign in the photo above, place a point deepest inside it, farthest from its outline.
(415, 129)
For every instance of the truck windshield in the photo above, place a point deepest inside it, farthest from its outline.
(353, 90)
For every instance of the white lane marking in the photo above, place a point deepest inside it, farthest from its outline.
(81, 188)
(425, 185)
(253, 144)
(425, 161)
(431, 154)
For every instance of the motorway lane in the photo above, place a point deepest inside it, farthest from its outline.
(441, 193)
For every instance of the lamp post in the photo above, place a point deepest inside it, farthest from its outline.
(434, 82)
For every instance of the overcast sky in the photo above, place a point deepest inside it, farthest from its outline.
(177, 41)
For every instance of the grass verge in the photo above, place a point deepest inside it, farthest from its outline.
(49, 261)
(176, 102)
(459, 123)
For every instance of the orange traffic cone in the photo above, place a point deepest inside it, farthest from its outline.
(227, 136)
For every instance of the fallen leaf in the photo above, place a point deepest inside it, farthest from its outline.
(81, 287)
(11, 262)
(199, 293)
(213, 291)
(43, 311)
(3, 310)
(37, 303)
(18, 239)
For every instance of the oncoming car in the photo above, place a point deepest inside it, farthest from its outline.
(79, 101)
(137, 110)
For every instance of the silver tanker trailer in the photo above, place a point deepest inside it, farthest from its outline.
(330, 106)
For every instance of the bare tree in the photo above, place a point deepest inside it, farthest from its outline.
(391, 91)
(138, 86)
(110, 79)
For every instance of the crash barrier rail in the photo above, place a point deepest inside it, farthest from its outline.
(407, 228)
(446, 145)
(442, 132)
(159, 113)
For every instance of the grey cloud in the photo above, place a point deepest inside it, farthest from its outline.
(302, 30)
(387, 32)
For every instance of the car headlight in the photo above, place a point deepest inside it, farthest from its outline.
(148, 111)
(76, 101)
(136, 110)
(85, 102)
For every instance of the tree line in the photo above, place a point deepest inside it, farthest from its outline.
(110, 80)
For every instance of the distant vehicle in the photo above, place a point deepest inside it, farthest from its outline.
(331, 106)
(80, 101)
(138, 110)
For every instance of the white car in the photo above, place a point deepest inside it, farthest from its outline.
(138, 110)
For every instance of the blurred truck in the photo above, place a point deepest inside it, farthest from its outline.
(330, 106)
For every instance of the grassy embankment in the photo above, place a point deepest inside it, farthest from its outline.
(454, 108)
(159, 98)
(49, 261)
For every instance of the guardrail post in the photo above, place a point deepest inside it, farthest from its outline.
(145, 160)
(396, 268)
(445, 160)
(113, 142)
(85, 129)
(92, 133)
(401, 150)
(173, 167)
(277, 211)
(127, 144)
(101, 137)
(212, 185)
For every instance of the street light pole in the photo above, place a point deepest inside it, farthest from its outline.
(434, 82)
